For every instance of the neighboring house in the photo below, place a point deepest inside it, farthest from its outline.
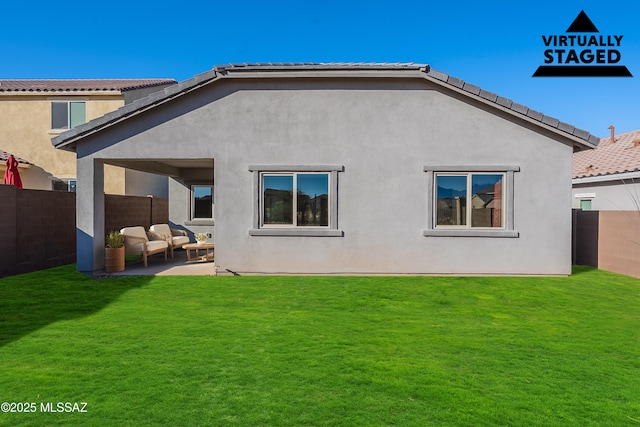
(343, 169)
(34, 111)
(24, 167)
(608, 178)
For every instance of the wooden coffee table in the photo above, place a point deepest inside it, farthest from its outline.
(208, 248)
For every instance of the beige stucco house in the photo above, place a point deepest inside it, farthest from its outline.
(34, 111)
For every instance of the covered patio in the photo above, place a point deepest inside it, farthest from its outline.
(187, 177)
(178, 266)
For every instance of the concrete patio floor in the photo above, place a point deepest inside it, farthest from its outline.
(173, 267)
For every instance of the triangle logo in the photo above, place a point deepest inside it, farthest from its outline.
(582, 24)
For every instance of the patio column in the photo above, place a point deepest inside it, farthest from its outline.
(90, 215)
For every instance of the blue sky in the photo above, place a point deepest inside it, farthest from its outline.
(495, 45)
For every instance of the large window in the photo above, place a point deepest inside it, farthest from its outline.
(470, 201)
(201, 202)
(68, 114)
(295, 201)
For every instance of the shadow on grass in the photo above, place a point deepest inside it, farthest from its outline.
(580, 269)
(32, 301)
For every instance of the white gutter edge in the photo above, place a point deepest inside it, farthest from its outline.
(606, 178)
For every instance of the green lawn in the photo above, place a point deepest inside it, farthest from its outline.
(321, 351)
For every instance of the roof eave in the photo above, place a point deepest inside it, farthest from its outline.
(581, 139)
(606, 178)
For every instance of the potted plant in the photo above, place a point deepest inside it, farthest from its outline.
(201, 238)
(114, 252)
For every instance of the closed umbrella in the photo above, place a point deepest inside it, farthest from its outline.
(11, 175)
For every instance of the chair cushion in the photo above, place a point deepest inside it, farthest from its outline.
(134, 247)
(178, 241)
(155, 245)
(161, 229)
(134, 232)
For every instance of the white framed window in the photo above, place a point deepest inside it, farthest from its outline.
(586, 200)
(68, 114)
(201, 202)
(295, 201)
(470, 201)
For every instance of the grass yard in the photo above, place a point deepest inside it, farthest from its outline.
(321, 351)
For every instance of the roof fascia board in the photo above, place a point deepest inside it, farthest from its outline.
(606, 178)
(581, 142)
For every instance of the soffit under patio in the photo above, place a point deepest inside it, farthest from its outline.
(174, 168)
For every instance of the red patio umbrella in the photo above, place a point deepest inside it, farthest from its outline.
(11, 175)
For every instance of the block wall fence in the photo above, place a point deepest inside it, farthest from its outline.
(609, 240)
(38, 230)
(38, 227)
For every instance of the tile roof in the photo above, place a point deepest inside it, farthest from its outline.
(4, 156)
(513, 106)
(582, 138)
(80, 85)
(607, 158)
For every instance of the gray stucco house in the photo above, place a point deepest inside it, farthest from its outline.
(343, 168)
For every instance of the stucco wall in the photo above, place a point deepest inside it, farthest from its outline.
(142, 184)
(382, 133)
(609, 196)
(25, 131)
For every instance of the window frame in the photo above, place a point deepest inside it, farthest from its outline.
(507, 229)
(193, 202)
(586, 204)
(469, 199)
(585, 197)
(68, 111)
(261, 229)
(70, 184)
(294, 201)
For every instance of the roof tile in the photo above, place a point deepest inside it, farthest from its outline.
(551, 121)
(472, 88)
(488, 95)
(505, 102)
(80, 85)
(522, 109)
(439, 75)
(581, 133)
(454, 81)
(4, 156)
(535, 114)
(606, 159)
(566, 127)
